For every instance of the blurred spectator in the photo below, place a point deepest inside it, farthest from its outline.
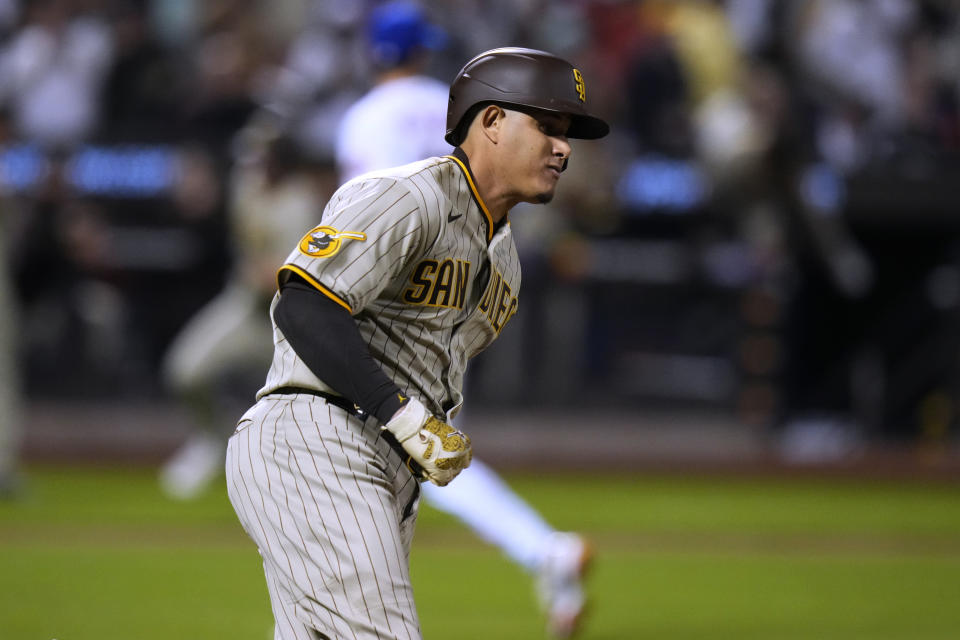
(184, 248)
(657, 103)
(230, 51)
(846, 278)
(862, 102)
(322, 72)
(145, 87)
(48, 279)
(51, 72)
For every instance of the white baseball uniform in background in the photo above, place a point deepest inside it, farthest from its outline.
(398, 121)
(413, 255)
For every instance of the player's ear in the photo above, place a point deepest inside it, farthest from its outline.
(491, 122)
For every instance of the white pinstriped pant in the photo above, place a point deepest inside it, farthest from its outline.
(332, 509)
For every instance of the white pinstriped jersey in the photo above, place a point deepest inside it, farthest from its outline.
(412, 253)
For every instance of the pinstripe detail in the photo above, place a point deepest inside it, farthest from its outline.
(368, 205)
(308, 484)
(333, 503)
(286, 529)
(337, 570)
(369, 549)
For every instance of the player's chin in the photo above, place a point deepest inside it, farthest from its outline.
(544, 196)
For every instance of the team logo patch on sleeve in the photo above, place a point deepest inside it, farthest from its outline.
(323, 241)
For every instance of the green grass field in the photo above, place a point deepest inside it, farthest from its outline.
(93, 554)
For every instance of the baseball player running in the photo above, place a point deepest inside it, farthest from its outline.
(411, 272)
(402, 119)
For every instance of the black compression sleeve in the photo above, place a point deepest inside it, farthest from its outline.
(326, 338)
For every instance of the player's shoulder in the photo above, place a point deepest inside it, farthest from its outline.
(427, 182)
(429, 173)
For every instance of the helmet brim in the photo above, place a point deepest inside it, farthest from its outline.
(587, 127)
(583, 126)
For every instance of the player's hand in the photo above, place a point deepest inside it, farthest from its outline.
(440, 450)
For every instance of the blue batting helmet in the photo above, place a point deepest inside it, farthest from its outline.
(398, 30)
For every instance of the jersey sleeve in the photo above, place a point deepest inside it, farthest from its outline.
(370, 231)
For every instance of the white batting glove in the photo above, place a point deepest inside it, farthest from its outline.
(439, 449)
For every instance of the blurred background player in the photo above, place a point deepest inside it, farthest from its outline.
(402, 119)
(274, 197)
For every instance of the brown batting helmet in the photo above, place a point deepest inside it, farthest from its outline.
(514, 76)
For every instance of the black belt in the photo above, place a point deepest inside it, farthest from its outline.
(357, 412)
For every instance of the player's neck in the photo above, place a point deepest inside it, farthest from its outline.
(490, 186)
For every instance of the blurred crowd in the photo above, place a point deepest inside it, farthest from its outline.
(725, 246)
